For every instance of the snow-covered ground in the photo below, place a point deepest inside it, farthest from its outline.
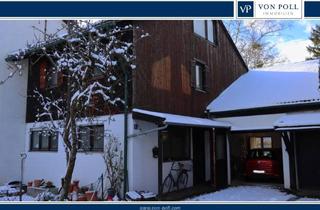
(250, 193)
(16, 198)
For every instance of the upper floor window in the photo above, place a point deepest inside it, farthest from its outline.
(206, 29)
(48, 75)
(91, 138)
(42, 140)
(199, 27)
(199, 76)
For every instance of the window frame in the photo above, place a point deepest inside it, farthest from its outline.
(50, 139)
(261, 139)
(214, 41)
(197, 62)
(92, 137)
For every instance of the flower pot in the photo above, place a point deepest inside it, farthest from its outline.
(111, 192)
(82, 198)
(91, 196)
(75, 187)
(30, 184)
(49, 184)
(37, 182)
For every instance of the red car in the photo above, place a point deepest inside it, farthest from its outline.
(264, 162)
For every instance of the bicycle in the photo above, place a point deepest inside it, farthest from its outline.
(180, 183)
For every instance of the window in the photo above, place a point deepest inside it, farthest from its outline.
(206, 29)
(177, 144)
(260, 142)
(48, 75)
(199, 76)
(199, 28)
(91, 138)
(52, 78)
(42, 140)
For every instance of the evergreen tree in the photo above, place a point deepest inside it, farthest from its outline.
(314, 48)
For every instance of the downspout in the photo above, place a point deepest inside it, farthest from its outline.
(125, 135)
(148, 131)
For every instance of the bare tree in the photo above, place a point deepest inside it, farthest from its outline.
(86, 51)
(113, 158)
(254, 40)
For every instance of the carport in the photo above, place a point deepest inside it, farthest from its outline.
(252, 132)
(301, 132)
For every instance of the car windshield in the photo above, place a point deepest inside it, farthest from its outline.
(260, 154)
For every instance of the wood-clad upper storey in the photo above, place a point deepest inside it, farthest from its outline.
(165, 62)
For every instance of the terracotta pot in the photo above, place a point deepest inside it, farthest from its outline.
(37, 182)
(30, 184)
(82, 198)
(91, 196)
(75, 187)
(49, 184)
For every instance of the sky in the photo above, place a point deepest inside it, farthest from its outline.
(292, 41)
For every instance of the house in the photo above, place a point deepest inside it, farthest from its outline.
(180, 68)
(15, 34)
(275, 107)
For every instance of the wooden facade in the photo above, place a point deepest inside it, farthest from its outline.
(162, 81)
(165, 60)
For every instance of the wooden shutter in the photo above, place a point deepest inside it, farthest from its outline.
(193, 74)
(42, 79)
(60, 78)
(206, 77)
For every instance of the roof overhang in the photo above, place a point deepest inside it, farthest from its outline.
(50, 44)
(251, 123)
(299, 121)
(178, 120)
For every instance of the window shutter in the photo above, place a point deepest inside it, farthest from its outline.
(60, 78)
(193, 74)
(205, 79)
(42, 68)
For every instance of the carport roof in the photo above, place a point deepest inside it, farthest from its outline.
(299, 120)
(271, 87)
(182, 120)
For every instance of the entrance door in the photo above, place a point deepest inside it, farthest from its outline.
(221, 166)
(198, 156)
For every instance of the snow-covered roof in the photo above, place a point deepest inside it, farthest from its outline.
(252, 122)
(260, 88)
(299, 119)
(173, 119)
(302, 66)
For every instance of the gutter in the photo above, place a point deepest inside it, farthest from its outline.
(148, 131)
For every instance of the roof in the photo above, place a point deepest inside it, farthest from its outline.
(252, 122)
(37, 47)
(173, 119)
(299, 119)
(262, 88)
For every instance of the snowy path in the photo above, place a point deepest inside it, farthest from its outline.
(249, 193)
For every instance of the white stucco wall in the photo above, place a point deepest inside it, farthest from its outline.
(285, 163)
(15, 34)
(143, 167)
(52, 165)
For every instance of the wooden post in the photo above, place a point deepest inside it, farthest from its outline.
(160, 162)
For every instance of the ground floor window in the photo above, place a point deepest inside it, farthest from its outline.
(91, 138)
(260, 142)
(177, 144)
(42, 140)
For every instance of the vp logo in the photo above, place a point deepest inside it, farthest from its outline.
(245, 9)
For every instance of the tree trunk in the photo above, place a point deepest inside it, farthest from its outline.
(68, 176)
(72, 155)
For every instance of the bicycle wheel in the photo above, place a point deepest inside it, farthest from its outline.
(182, 180)
(167, 184)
